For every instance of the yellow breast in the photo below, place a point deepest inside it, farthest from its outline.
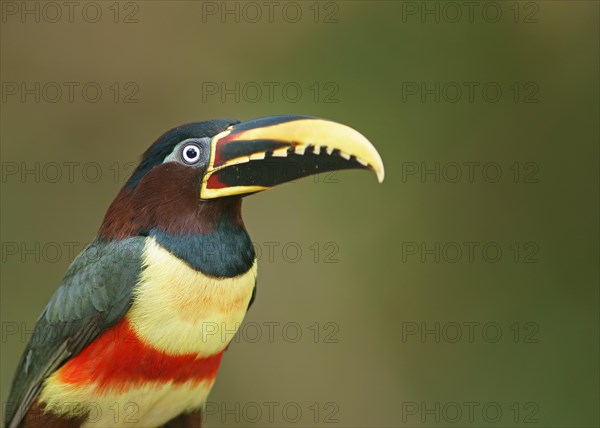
(179, 310)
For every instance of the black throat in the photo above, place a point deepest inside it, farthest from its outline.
(224, 252)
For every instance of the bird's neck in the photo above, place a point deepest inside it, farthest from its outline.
(208, 236)
(225, 251)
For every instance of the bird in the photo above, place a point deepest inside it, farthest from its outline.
(135, 332)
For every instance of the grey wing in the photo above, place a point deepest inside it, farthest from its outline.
(94, 295)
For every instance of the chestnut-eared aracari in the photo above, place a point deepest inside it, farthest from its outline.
(135, 332)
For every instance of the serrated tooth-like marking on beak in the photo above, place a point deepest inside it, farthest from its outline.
(345, 155)
(257, 156)
(300, 149)
(282, 153)
(361, 162)
(317, 150)
(329, 150)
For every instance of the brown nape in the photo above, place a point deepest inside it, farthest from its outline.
(187, 420)
(36, 418)
(167, 197)
(116, 223)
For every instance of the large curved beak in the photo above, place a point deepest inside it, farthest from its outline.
(256, 155)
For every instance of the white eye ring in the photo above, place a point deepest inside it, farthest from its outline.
(190, 153)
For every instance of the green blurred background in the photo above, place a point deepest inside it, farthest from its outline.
(361, 63)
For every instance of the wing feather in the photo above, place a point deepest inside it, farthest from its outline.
(94, 295)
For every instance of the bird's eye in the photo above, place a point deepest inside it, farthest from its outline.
(190, 153)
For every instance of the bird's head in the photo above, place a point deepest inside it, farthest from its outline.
(214, 163)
